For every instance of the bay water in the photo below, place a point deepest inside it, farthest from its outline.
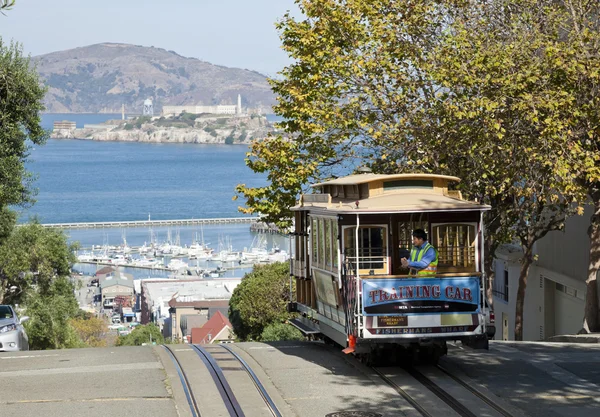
(91, 181)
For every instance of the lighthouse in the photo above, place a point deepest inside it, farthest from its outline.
(239, 105)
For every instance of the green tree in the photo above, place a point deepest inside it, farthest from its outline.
(50, 313)
(31, 258)
(91, 330)
(21, 96)
(280, 331)
(260, 300)
(147, 333)
(576, 62)
(453, 86)
(506, 104)
(6, 5)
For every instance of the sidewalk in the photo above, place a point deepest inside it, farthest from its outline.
(576, 338)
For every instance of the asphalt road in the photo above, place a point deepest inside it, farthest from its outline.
(306, 379)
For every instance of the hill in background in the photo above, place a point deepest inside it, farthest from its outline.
(102, 77)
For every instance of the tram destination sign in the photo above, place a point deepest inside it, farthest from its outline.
(383, 297)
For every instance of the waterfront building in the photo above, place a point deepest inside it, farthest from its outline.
(64, 125)
(166, 302)
(199, 109)
(113, 285)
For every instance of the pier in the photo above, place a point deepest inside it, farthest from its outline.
(150, 223)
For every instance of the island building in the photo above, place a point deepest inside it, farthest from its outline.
(64, 125)
(193, 109)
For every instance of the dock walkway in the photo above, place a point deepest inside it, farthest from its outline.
(149, 223)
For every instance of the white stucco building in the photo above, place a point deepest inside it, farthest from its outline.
(555, 295)
(193, 109)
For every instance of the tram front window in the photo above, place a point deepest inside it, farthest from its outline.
(372, 248)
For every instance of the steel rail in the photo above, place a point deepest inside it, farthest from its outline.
(231, 403)
(263, 392)
(403, 393)
(478, 394)
(440, 393)
(191, 399)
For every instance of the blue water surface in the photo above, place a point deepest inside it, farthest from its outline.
(84, 181)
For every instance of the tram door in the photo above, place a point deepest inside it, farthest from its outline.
(403, 241)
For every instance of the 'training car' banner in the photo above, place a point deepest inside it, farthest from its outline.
(420, 295)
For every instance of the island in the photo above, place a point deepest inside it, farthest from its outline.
(179, 128)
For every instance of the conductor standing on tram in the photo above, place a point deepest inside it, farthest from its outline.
(423, 256)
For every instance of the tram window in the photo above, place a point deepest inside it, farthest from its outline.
(405, 230)
(455, 244)
(334, 237)
(321, 246)
(372, 248)
(327, 233)
(313, 237)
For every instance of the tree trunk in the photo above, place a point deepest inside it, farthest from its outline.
(591, 319)
(525, 265)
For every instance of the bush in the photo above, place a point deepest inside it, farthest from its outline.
(128, 126)
(229, 140)
(260, 300)
(142, 334)
(280, 331)
(91, 330)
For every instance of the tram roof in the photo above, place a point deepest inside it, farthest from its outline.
(404, 202)
(384, 193)
(366, 178)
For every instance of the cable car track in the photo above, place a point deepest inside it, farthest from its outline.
(191, 399)
(220, 381)
(458, 407)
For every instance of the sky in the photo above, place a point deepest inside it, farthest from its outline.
(233, 33)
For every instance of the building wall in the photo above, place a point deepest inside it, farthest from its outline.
(567, 252)
(534, 308)
(200, 109)
(555, 294)
(176, 319)
(115, 290)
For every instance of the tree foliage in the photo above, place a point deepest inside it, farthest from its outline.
(21, 102)
(147, 333)
(461, 87)
(6, 5)
(90, 330)
(31, 258)
(260, 300)
(51, 312)
(280, 331)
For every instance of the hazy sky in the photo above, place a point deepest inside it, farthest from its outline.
(234, 33)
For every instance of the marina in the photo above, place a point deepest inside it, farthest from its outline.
(150, 223)
(214, 250)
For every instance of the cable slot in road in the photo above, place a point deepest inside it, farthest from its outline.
(462, 399)
(266, 397)
(231, 403)
(191, 399)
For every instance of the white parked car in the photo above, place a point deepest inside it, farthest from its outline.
(12, 333)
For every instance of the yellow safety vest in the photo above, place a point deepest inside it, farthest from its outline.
(416, 255)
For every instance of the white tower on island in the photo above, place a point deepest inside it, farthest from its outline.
(238, 110)
(148, 108)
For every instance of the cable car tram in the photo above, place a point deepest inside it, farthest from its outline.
(350, 286)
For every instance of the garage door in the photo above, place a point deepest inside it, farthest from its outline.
(568, 310)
